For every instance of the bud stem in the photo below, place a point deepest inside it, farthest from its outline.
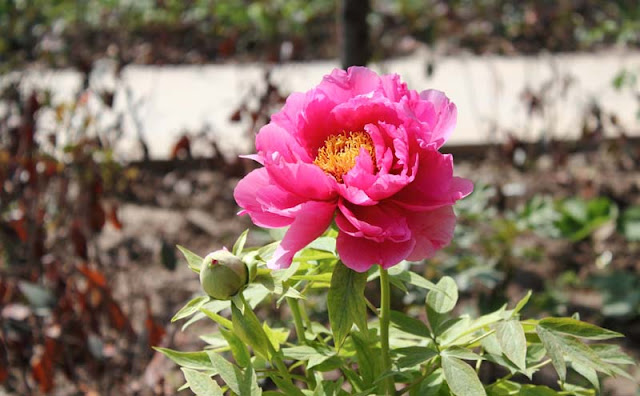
(385, 308)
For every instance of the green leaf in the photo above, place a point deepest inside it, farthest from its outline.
(304, 352)
(238, 348)
(582, 354)
(415, 355)
(222, 321)
(587, 372)
(536, 390)
(432, 385)
(230, 374)
(577, 328)
(326, 244)
(611, 354)
(238, 247)
(275, 336)
(285, 386)
(267, 251)
(193, 260)
(462, 378)
(190, 308)
(409, 324)
(460, 353)
(521, 304)
(201, 384)
(249, 330)
(513, 343)
(367, 356)
(249, 384)
(193, 360)
(345, 302)
(412, 278)
(443, 299)
(552, 344)
(503, 388)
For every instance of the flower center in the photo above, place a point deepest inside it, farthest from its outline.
(340, 151)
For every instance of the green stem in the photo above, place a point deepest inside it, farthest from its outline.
(297, 319)
(302, 339)
(385, 308)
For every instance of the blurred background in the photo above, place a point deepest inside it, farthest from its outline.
(121, 123)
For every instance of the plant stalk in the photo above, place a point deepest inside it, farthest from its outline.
(297, 320)
(302, 339)
(385, 308)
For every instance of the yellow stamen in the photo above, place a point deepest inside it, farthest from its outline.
(339, 153)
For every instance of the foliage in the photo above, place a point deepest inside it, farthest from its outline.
(428, 356)
(71, 33)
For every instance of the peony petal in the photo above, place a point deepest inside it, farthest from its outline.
(380, 222)
(272, 139)
(434, 185)
(360, 254)
(311, 221)
(303, 179)
(266, 204)
(444, 122)
(393, 87)
(432, 231)
(343, 85)
(357, 112)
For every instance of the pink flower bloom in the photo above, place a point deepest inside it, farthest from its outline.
(361, 149)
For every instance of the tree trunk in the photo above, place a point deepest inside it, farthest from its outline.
(354, 46)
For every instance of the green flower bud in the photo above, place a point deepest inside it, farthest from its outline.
(223, 275)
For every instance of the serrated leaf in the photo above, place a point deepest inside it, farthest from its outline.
(193, 260)
(190, 308)
(510, 336)
(345, 302)
(443, 301)
(462, 378)
(577, 328)
(238, 247)
(552, 344)
(201, 384)
(194, 360)
(409, 324)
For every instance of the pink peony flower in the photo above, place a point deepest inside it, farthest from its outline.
(363, 149)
